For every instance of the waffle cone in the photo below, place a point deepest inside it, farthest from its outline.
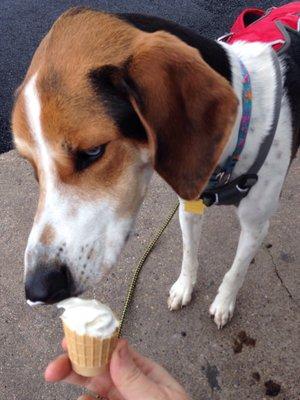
(89, 355)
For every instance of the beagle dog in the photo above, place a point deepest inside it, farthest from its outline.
(107, 100)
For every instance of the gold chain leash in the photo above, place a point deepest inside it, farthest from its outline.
(138, 268)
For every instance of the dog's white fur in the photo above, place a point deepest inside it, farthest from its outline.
(256, 209)
(33, 112)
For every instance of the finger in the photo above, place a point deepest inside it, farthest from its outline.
(64, 344)
(154, 371)
(128, 378)
(144, 363)
(60, 369)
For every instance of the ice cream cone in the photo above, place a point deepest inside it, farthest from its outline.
(89, 355)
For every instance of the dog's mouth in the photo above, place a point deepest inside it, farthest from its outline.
(52, 300)
(57, 299)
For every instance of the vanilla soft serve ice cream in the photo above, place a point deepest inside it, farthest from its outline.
(91, 331)
(88, 317)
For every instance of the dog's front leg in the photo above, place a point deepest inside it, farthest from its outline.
(252, 235)
(181, 291)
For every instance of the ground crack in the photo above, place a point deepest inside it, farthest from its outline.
(279, 277)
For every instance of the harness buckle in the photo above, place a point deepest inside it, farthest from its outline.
(230, 193)
(223, 177)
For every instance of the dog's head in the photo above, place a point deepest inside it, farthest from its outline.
(101, 106)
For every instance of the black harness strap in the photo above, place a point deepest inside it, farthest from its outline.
(234, 191)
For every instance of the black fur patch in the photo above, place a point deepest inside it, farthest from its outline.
(211, 51)
(113, 92)
(292, 84)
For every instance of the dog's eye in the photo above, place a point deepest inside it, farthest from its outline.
(95, 152)
(84, 158)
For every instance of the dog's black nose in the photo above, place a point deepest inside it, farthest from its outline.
(48, 284)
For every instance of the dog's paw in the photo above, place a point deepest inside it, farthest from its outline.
(222, 309)
(180, 293)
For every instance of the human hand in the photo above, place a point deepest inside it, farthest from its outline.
(130, 377)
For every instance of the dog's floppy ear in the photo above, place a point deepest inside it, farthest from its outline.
(186, 108)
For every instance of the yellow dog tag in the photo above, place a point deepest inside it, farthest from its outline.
(194, 206)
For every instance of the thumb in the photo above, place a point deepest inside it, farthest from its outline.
(131, 382)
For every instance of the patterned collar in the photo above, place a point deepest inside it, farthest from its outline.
(222, 175)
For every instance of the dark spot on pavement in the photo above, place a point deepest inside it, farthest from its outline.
(242, 338)
(269, 245)
(237, 346)
(183, 334)
(256, 376)
(212, 373)
(250, 341)
(272, 388)
(252, 261)
(286, 257)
